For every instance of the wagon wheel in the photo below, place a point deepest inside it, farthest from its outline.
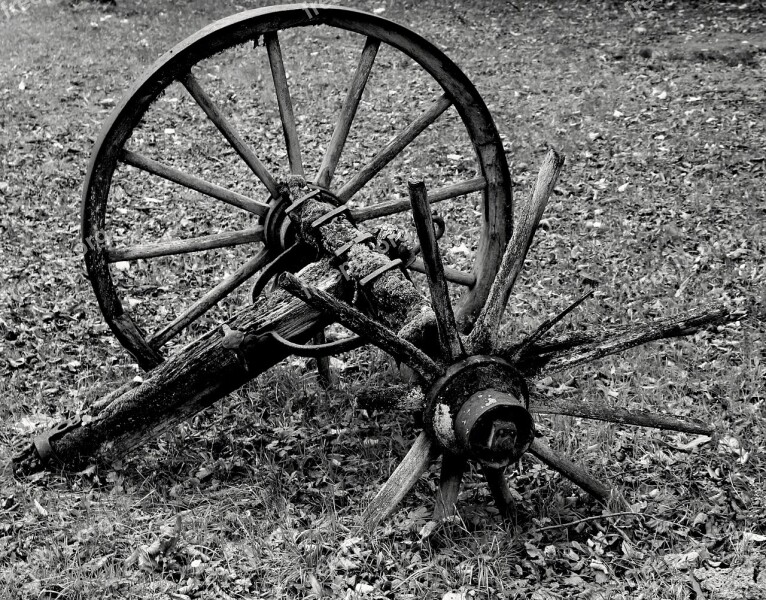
(476, 404)
(270, 234)
(473, 389)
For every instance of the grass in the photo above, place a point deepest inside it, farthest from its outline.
(661, 200)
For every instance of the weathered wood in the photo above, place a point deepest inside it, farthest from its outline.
(194, 183)
(496, 224)
(393, 306)
(407, 399)
(600, 411)
(188, 382)
(284, 102)
(97, 405)
(398, 305)
(397, 397)
(396, 300)
(116, 316)
(401, 481)
(248, 27)
(483, 338)
(394, 147)
(197, 376)
(347, 113)
(362, 325)
(213, 113)
(449, 340)
(571, 351)
(546, 326)
(571, 471)
(211, 298)
(452, 470)
(526, 217)
(172, 247)
(126, 330)
(384, 209)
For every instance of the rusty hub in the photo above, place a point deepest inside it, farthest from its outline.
(478, 409)
(278, 228)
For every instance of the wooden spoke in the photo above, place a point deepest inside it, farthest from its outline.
(554, 354)
(547, 325)
(347, 113)
(453, 468)
(362, 325)
(449, 340)
(621, 339)
(213, 113)
(285, 103)
(483, 337)
(450, 274)
(616, 414)
(171, 247)
(402, 480)
(571, 471)
(210, 299)
(193, 183)
(400, 397)
(393, 148)
(500, 489)
(385, 209)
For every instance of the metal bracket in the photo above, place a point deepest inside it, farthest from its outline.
(331, 214)
(377, 273)
(317, 193)
(363, 237)
(43, 441)
(289, 260)
(319, 350)
(409, 255)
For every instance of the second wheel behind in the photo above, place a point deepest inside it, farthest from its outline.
(184, 175)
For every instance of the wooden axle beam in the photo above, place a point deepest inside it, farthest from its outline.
(226, 358)
(195, 378)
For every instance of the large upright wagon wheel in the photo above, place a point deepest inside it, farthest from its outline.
(269, 234)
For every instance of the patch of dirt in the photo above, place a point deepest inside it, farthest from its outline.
(730, 49)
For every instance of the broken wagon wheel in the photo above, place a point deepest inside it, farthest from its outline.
(475, 400)
(269, 232)
(476, 404)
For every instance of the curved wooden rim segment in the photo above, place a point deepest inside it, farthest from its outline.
(249, 25)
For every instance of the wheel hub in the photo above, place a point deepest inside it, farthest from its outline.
(278, 228)
(478, 409)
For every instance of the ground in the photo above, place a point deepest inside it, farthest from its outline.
(658, 107)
